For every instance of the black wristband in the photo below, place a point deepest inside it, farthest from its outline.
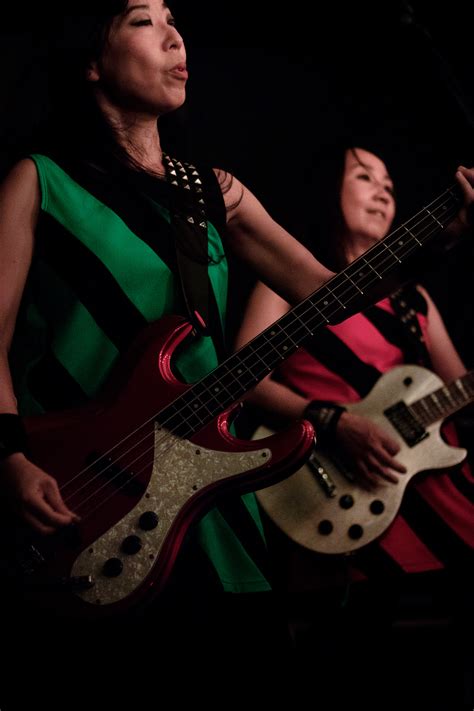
(12, 435)
(324, 416)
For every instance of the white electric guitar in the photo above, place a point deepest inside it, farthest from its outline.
(324, 508)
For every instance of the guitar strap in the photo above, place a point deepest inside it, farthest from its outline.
(403, 303)
(189, 223)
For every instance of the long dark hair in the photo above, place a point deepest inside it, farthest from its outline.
(72, 124)
(326, 226)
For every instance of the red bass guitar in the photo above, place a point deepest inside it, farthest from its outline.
(148, 459)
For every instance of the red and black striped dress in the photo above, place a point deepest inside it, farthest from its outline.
(435, 525)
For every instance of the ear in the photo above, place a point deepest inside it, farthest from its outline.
(92, 71)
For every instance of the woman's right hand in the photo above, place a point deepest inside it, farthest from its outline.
(34, 495)
(369, 448)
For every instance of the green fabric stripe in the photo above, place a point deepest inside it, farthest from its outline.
(198, 358)
(89, 360)
(89, 220)
(250, 502)
(78, 361)
(237, 571)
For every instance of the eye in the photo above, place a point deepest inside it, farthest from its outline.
(172, 21)
(363, 176)
(139, 23)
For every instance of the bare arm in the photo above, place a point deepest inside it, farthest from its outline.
(274, 255)
(33, 493)
(444, 356)
(18, 214)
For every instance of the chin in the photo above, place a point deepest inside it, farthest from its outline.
(376, 235)
(171, 106)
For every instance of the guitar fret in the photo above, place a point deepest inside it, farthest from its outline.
(337, 298)
(303, 324)
(219, 389)
(231, 383)
(424, 404)
(326, 303)
(448, 395)
(201, 400)
(274, 333)
(371, 267)
(445, 401)
(295, 333)
(259, 362)
(434, 218)
(240, 377)
(460, 386)
(356, 286)
(318, 312)
(412, 235)
(393, 254)
(435, 400)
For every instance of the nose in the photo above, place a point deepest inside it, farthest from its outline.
(382, 196)
(173, 38)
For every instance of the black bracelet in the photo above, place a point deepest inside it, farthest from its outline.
(12, 435)
(324, 416)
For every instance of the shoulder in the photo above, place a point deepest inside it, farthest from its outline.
(269, 298)
(20, 190)
(231, 188)
(22, 173)
(423, 296)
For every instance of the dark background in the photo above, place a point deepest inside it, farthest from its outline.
(271, 84)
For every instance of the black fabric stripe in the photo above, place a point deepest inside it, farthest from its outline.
(91, 282)
(53, 387)
(388, 325)
(193, 565)
(326, 347)
(241, 522)
(441, 540)
(396, 333)
(128, 199)
(135, 209)
(374, 562)
(463, 485)
(129, 196)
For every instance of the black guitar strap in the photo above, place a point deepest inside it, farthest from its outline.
(189, 222)
(404, 302)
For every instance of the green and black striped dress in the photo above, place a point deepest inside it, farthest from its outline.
(104, 266)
